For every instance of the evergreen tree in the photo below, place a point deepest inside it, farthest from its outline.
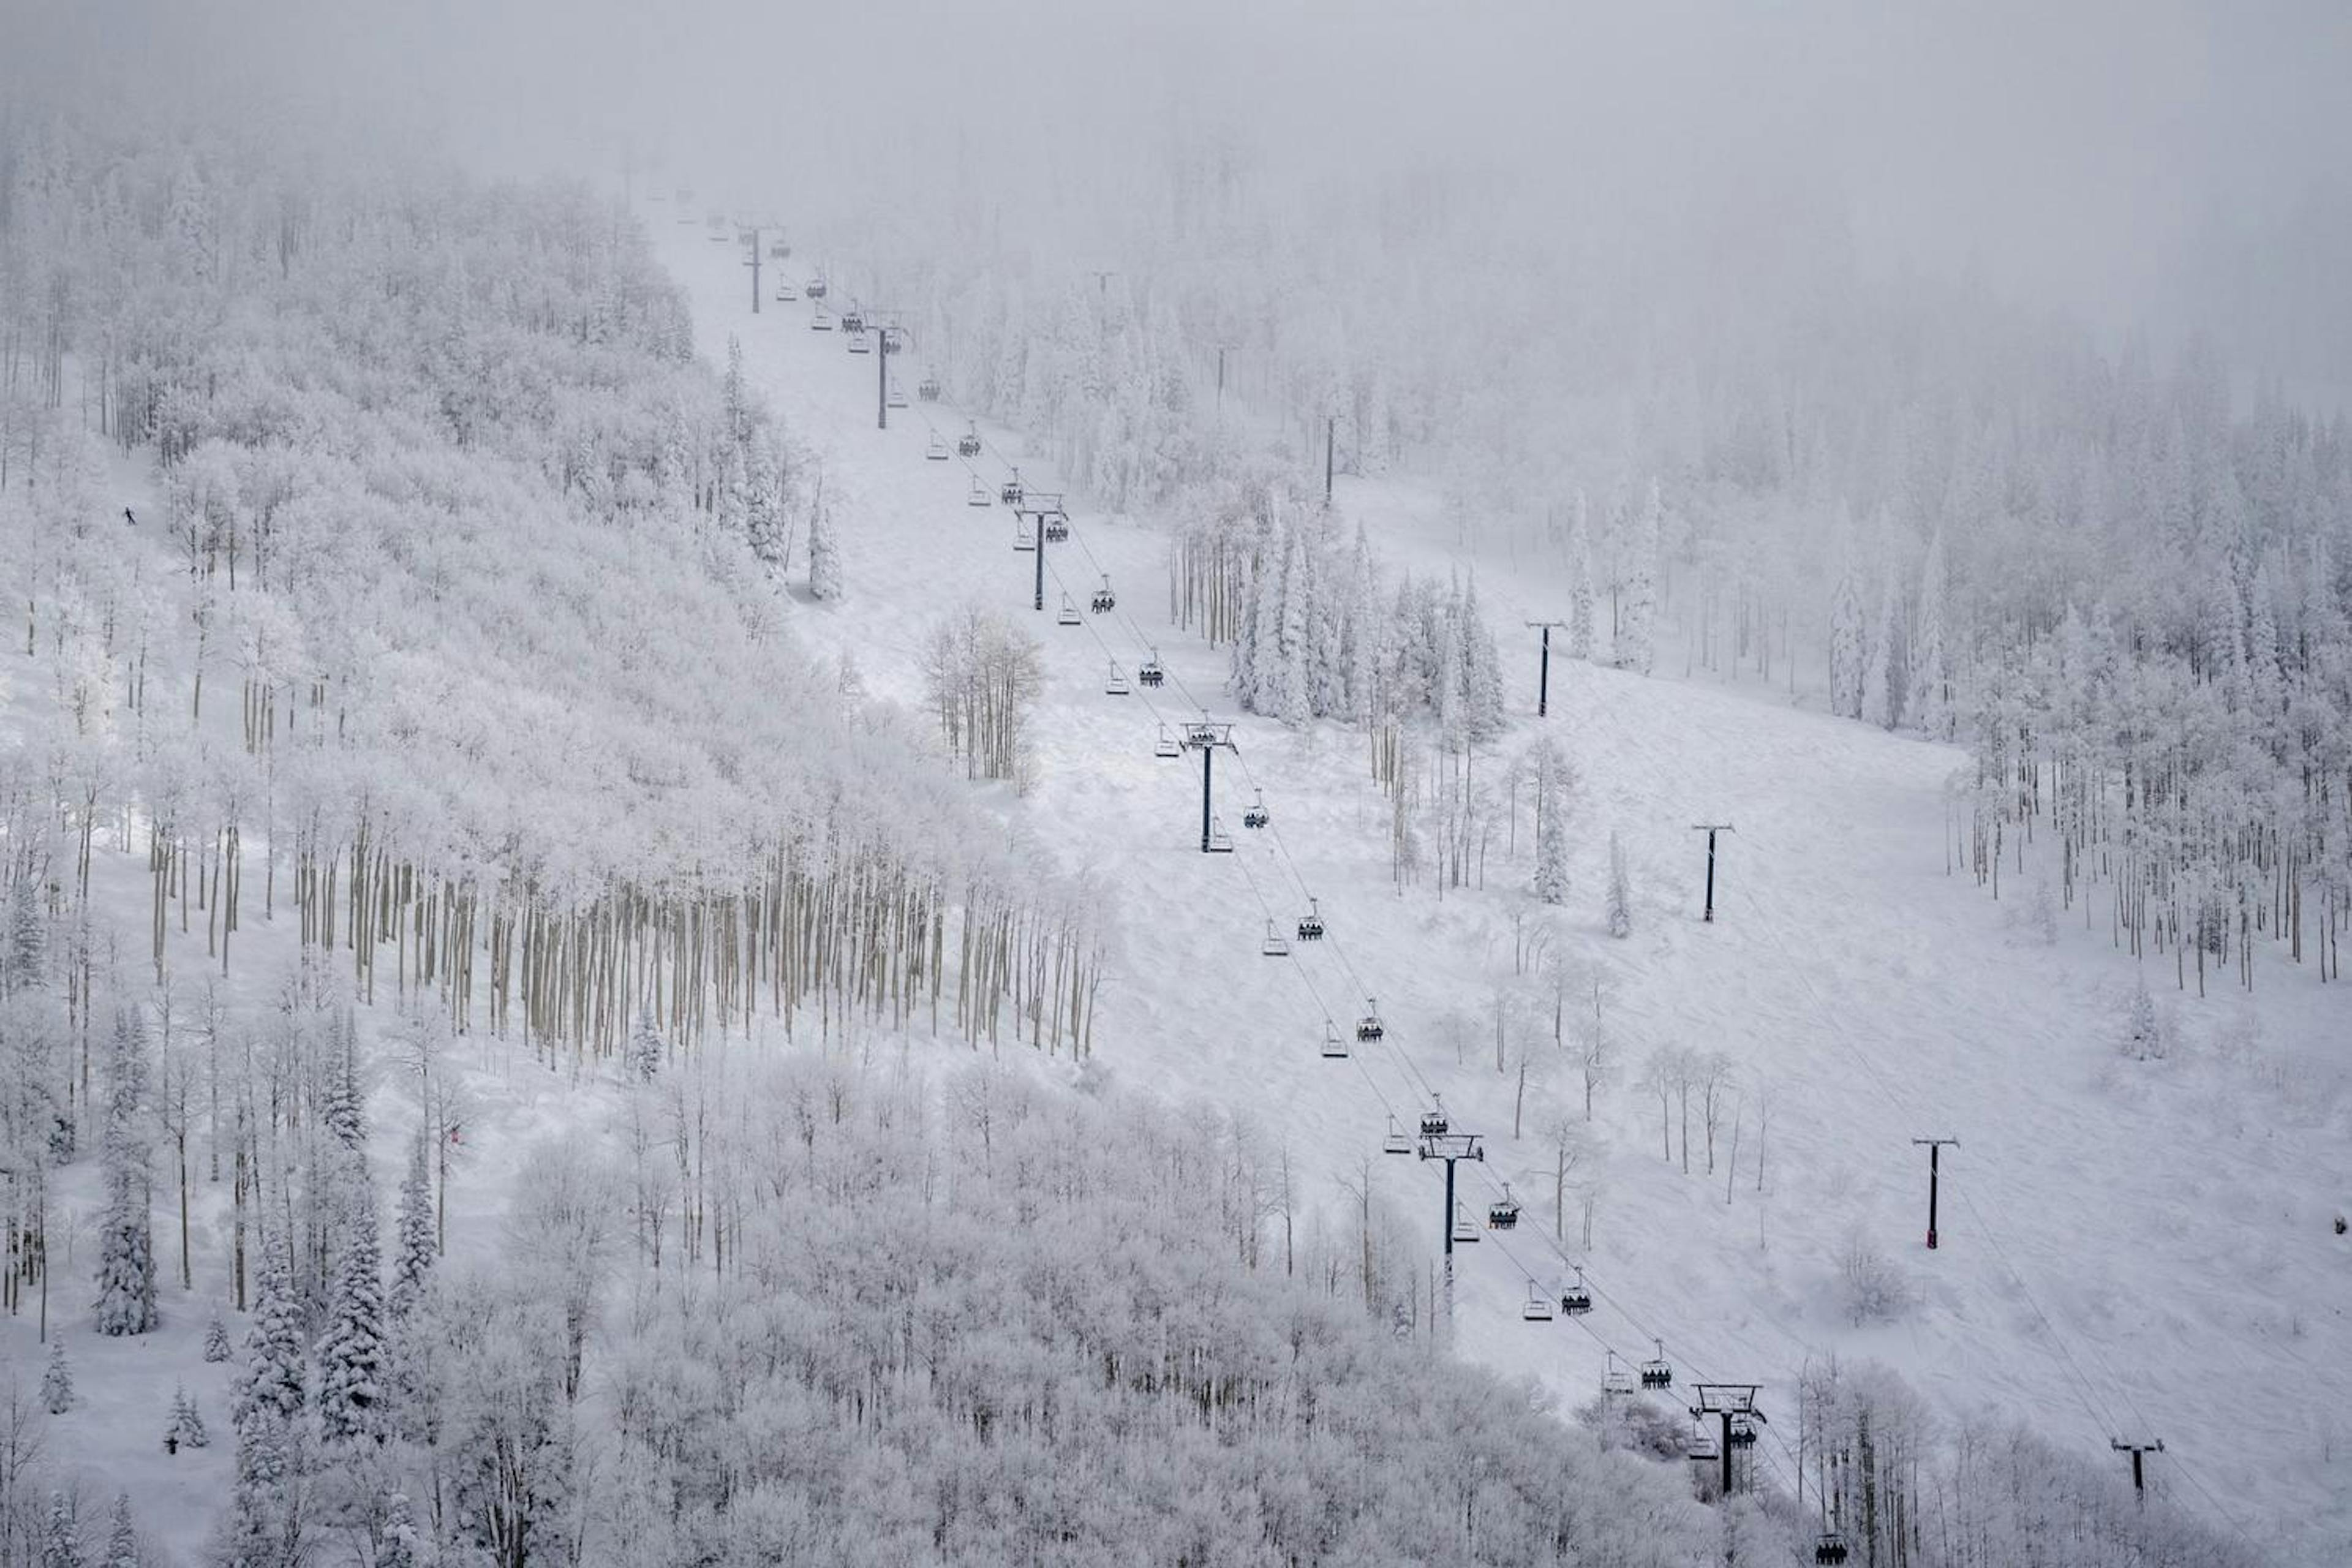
(1551, 826)
(646, 1048)
(351, 1349)
(274, 1376)
(763, 506)
(341, 1108)
(122, 1535)
(401, 1548)
(1291, 635)
(187, 1425)
(825, 557)
(1880, 697)
(57, 1380)
(1580, 593)
(1620, 888)
(412, 1253)
(216, 1345)
(61, 1541)
(1363, 632)
(1637, 637)
(1482, 670)
(1845, 646)
(22, 965)
(126, 1257)
(1928, 697)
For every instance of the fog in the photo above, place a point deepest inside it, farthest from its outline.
(2170, 164)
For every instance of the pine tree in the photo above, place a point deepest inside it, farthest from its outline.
(351, 1349)
(1620, 888)
(274, 1376)
(1291, 638)
(1579, 594)
(216, 1345)
(57, 1380)
(763, 506)
(1879, 697)
(1637, 638)
(61, 1541)
(824, 558)
(1482, 670)
(126, 1257)
(646, 1047)
(400, 1548)
(1552, 828)
(1363, 632)
(1929, 700)
(121, 1536)
(187, 1424)
(412, 1253)
(22, 965)
(341, 1108)
(1845, 646)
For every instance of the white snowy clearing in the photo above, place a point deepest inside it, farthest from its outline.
(2128, 1250)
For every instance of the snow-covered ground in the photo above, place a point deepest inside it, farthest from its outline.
(2128, 1250)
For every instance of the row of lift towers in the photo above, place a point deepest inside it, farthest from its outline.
(1725, 1415)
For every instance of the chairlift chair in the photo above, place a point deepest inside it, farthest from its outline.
(1432, 1121)
(1398, 1142)
(968, 444)
(815, 286)
(1151, 675)
(898, 395)
(1257, 816)
(1105, 599)
(977, 496)
(1369, 1028)
(1701, 1449)
(820, 322)
(1022, 538)
(1166, 745)
(1658, 1373)
(1538, 1307)
(1466, 1229)
(1069, 615)
(778, 250)
(1743, 1430)
(1274, 946)
(1220, 841)
(928, 389)
(859, 344)
(786, 294)
(1057, 528)
(1335, 1048)
(1830, 1548)
(1115, 686)
(853, 320)
(1576, 1299)
(1616, 1380)
(1310, 924)
(1503, 1214)
(1011, 494)
(893, 342)
(938, 451)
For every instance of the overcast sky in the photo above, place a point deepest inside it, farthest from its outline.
(2128, 159)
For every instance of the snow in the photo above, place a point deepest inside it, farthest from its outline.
(2127, 1248)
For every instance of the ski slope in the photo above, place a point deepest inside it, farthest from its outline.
(2128, 1250)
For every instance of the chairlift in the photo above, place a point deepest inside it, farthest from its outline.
(978, 495)
(819, 322)
(1166, 745)
(1397, 1140)
(859, 344)
(815, 287)
(1220, 841)
(1432, 1121)
(1011, 494)
(1701, 1449)
(779, 252)
(938, 451)
(1576, 1299)
(1310, 924)
(1274, 946)
(1335, 1049)
(1503, 1214)
(928, 389)
(1743, 1429)
(1257, 816)
(968, 446)
(1058, 526)
(1658, 1373)
(1105, 599)
(1830, 1548)
(1465, 1230)
(1069, 615)
(898, 395)
(853, 320)
(1151, 675)
(1538, 1307)
(1616, 1380)
(1115, 686)
(787, 293)
(894, 341)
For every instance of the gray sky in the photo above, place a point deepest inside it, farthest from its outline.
(2124, 158)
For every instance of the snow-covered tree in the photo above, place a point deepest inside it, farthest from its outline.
(1579, 592)
(57, 1380)
(186, 1427)
(1482, 670)
(1881, 693)
(122, 1535)
(1846, 649)
(2144, 1033)
(1620, 888)
(61, 1540)
(351, 1349)
(400, 1546)
(646, 1051)
(275, 1378)
(413, 1249)
(1636, 645)
(126, 1254)
(22, 959)
(216, 1344)
(824, 553)
(1928, 697)
(1551, 823)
